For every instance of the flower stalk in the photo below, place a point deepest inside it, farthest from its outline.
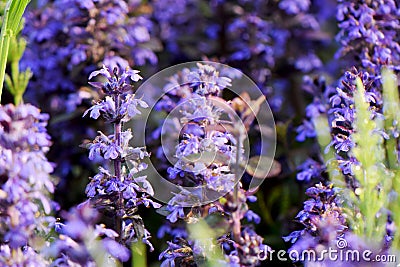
(236, 217)
(119, 191)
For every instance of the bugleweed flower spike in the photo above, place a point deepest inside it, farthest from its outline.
(116, 190)
(239, 243)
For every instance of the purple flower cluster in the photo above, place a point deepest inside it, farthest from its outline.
(67, 40)
(187, 95)
(325, 227)
(242, 246)
(192, 91)
(267, 39)
(368, 39)
(179, 22)
(72, 38)
(120, 188)
(321, 93)
(181, 253)
(368, 33)
(276, 43)
(25, 184)
(367, 36)
(323, 203)
(200, 106)
(342, 110)
(257, 37)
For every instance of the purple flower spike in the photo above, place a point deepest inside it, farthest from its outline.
(119, 188)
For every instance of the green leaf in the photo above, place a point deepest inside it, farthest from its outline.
(9, 84)
(12, 21)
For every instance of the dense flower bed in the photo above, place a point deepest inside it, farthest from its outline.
(276, 142)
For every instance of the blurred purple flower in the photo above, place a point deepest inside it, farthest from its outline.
(324, 205)
(93, 32)
(294, 6)
(77, 231)
(369, 29)
(304, 131)
(25, 184)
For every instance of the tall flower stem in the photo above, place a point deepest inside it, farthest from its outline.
(117, 167)
(236, 214)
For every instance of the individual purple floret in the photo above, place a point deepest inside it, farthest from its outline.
(119, 188)
(304, 131)
(25, 184)
(310, 170)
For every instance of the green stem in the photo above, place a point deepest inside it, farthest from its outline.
(4, 45)
(139, 258)
(18, 92)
